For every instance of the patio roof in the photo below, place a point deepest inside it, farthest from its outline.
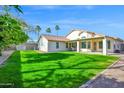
(102, 37)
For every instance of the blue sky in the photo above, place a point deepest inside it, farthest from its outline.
(108, 20)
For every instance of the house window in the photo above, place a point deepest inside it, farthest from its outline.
(83, 44)
(83, 37)
(66, 45)
(114, 46)
(109, 44)
(100, 45)
(73, 44)
(118, 46)
(89, 45)
(57, 44)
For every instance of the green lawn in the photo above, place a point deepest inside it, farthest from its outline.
(62, 69)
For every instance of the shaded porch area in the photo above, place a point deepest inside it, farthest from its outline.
(92, 45)
(86, 45)
(96, 45)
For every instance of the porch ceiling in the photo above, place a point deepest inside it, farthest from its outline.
(89, 38)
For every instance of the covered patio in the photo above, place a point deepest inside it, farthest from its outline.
(93, 45)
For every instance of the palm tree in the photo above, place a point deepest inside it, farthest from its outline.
(17, 8)
(57, 28)
(37, 30)
(7, 8)
(48, 30)
(30, 30)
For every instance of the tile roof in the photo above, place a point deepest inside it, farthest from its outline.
(55, 38)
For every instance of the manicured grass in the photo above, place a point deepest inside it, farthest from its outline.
(62, 69)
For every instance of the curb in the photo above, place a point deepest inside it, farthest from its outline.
(87, 84)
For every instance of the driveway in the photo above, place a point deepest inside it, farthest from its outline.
(111, 78)
(5, 55)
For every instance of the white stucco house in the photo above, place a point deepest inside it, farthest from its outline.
(80, 41)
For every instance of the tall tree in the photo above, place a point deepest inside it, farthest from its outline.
(17, 8)
(37, 30)
(11, 28)
(57, 28)
(48, 30)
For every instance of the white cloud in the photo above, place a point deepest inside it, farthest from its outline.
(116, 25)
(88, 7)
(38, 7)
(81, 21)
(90, 22)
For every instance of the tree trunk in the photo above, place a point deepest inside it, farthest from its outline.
(38, 35)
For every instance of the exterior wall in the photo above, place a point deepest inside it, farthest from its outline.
(113, 43)
(111, 50)
(78, 35)
(43, 44)
(85, 35)
(74, 35)
(117, 45)
(85, 50)
(52, 46)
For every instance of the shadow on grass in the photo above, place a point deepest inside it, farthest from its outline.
(10, 73)
(59, 80)
(35, 58)
(50, 77)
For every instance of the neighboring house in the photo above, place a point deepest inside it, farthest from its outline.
(80, 41)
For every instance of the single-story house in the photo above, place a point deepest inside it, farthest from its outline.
(80, 41)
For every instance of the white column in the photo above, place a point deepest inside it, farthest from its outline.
(104, 46)
(78, 46)
(112, 45)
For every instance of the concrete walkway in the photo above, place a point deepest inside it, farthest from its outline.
(111, 78)
(5, 56)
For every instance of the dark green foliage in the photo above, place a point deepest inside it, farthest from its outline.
(11, 31)
(48, 30)
(57, 27)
